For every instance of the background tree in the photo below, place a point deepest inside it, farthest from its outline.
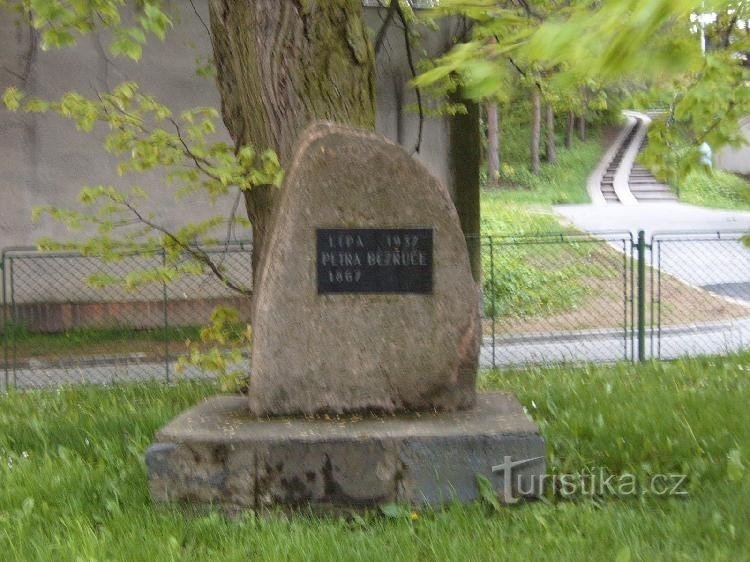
(492, 115)
(536, 130)
(640, 41)
(550, 149)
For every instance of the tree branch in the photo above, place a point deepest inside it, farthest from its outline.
(203, 23)
(196, 252)
(199, 161)
(413, 69)
(380, 37)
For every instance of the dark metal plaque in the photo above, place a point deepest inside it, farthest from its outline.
(374, 260)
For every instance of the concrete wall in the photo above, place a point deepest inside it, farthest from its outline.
(736, 159)
(396, 117)
(45, 160)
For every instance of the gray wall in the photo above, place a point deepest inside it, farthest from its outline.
(736, 159)
(396, 117)
(46, 160)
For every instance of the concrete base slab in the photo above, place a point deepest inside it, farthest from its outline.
(216, 452)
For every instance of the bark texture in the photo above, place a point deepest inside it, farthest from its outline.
(551, 152)
(465, 150)
(569, 130)
(493, 142)
(582, 128)
(536, 130)
(282, 64)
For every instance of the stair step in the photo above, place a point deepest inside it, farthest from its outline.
(649, 187)
(650, 192)
(656, 197)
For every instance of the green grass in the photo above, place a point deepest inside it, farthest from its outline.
(535, 280)
(716, 189)
(562, 182)
(521, 202)
(74, 488)
(514, 285)
(92, 341)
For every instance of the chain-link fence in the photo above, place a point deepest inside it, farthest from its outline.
(545, 299)
(58, 326)
(557, 298)
(700, 294)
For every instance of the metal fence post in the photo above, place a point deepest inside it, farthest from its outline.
(494, 304)
(5, 322)
(13, 322)
(165, 311)
(641, 295)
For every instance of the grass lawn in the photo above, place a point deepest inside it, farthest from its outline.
(717, 189)
(562, 182)
(96, 341)
(521, 203)
(74, 488)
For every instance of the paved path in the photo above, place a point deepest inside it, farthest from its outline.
(653, 217)
(710, 264)
(607, 346)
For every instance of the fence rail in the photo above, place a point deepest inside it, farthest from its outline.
(548, 298)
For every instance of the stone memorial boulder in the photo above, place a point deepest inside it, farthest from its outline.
(364, 303)
(365, 300)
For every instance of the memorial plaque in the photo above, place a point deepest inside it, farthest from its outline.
(374, 260)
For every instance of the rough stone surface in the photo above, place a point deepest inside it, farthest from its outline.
(217, 452)
(351, 352)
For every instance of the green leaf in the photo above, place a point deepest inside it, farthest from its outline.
(395, 511)
(35, 105)
(487, 492)
(126, 46)
(57, 38)
(623, 555)
(155, 21)
(12, 97)
(735, 466)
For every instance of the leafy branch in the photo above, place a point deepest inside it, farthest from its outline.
(145, 136)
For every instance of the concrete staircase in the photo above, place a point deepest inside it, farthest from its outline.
(608, 180)
(643, 186)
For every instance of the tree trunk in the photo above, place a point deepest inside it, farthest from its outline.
(536, 129)
(465, 147)
(570, 129)
(282, 64)
(582, 128)
(551, 152)
(493, 142)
